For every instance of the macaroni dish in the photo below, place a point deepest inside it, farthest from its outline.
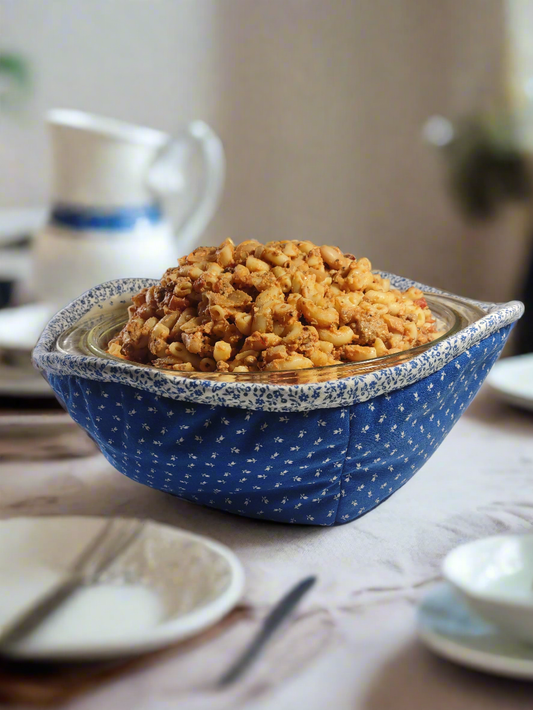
(285, 305)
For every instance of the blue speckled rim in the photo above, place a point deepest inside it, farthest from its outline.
(247, 395)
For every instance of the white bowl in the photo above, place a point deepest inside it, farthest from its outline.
(495, 577)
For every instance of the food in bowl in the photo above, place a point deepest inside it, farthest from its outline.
(285, 305)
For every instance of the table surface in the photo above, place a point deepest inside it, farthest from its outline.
(352, 645)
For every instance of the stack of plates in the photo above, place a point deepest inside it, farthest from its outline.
(16, 229)
(19, 326)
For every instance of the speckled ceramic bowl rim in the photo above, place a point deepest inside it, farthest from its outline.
(260, 396)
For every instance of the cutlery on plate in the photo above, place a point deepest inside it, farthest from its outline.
(279, 613)
(115, 537)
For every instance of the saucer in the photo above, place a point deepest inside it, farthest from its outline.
(511, 380)
(448, 627)
(168, 586)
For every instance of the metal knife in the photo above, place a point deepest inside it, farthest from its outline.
(279, 613)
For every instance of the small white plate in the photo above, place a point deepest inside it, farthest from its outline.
(511, 380)
(168, 586)
(448, 627)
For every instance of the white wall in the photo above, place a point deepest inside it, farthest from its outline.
(320, 106)
(138, 60)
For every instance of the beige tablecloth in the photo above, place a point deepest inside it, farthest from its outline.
(352, 645)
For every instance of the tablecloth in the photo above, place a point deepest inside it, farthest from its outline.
(352, 644)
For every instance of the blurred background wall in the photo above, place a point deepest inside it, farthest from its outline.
(320, 106)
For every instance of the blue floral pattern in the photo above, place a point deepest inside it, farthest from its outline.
(326, 465)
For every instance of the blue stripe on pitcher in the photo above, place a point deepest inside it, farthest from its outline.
(111, 219)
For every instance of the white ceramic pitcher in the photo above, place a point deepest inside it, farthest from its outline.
(111, 181)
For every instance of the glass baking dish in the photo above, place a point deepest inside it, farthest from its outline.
(91, 335)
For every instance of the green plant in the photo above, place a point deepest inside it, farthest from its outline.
(486, 167)
(15, 80)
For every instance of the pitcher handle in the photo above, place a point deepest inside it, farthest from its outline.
(165, 176)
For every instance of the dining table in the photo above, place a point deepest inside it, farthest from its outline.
(352, 642)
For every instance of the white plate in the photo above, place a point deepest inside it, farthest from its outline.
(451, 630)
(169, 585)
(511, 380)
(23, 382)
